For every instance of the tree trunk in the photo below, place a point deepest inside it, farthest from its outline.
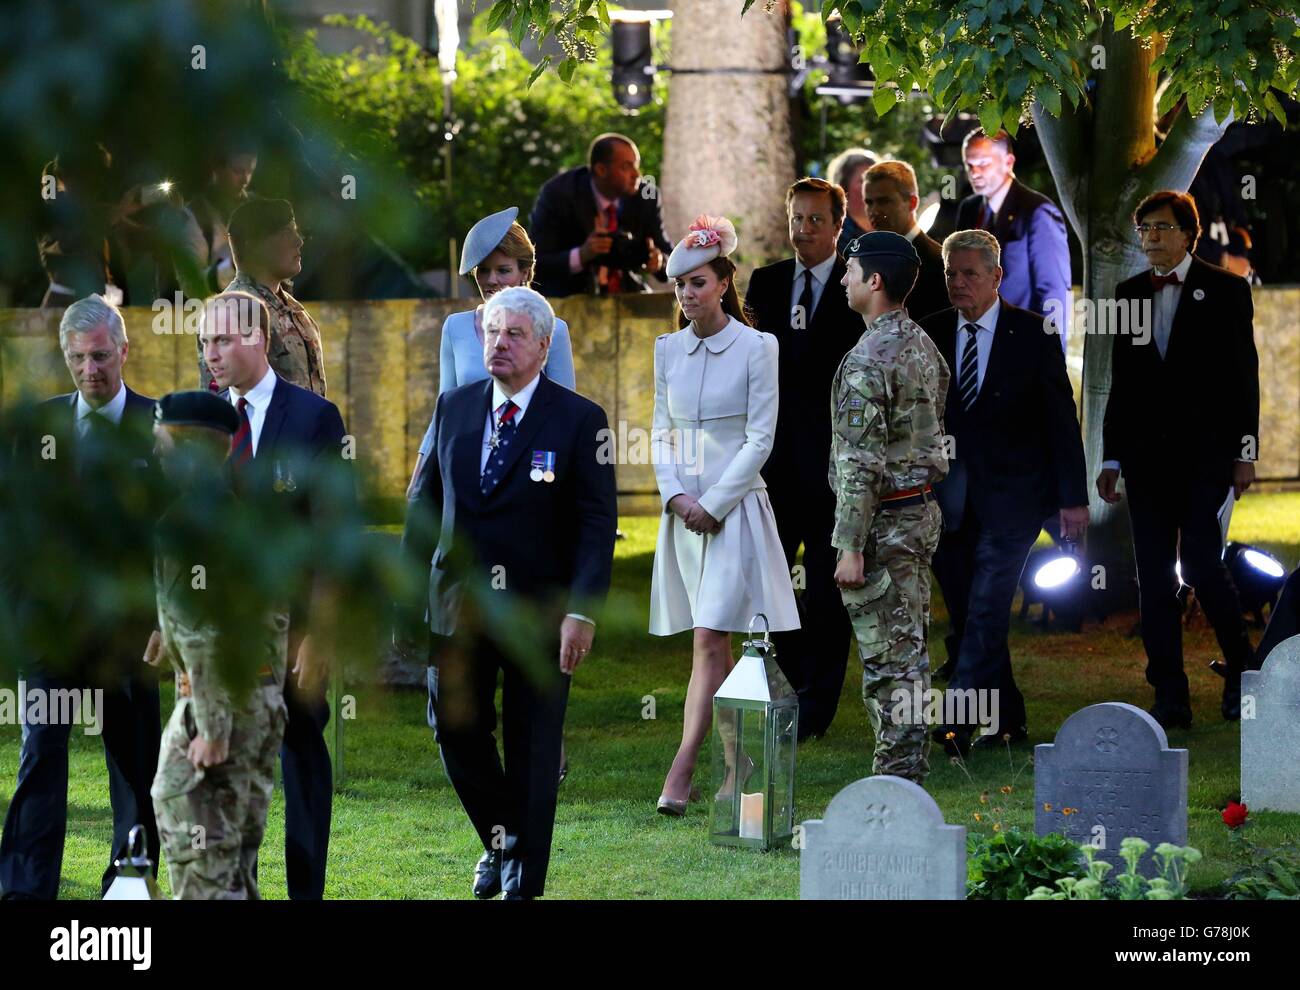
(728, 147)
(1105, 161)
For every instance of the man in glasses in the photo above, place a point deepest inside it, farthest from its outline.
(1182, 426)
(267, 249)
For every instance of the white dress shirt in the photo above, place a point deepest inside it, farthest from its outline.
(983, 340)
(1164, 303)
(912, 234)
(111, 410)
(998, 198)
(259, 400)
(820, 273)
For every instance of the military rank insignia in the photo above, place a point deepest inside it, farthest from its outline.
(857, 410)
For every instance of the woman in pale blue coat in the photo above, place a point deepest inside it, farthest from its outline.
(499, 254)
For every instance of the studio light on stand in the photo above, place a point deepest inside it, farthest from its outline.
(1258, 575)
(847, 79)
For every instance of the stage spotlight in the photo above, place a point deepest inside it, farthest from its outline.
(633, 60)
(1258, 575)
(847, 79)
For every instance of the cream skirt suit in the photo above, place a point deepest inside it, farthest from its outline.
(714, 419)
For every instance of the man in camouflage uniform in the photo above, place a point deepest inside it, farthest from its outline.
(887, 450)
(267, 250)
(217, 765)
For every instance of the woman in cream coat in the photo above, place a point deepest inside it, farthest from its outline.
(719, 559)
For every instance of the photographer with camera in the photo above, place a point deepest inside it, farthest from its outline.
(596, 228)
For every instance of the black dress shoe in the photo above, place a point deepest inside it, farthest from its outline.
(1172, 717)
(999, 739)
(1231, 704)
(487, 875)
(514, 895)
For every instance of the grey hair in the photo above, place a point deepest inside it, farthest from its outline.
(846, 162)
(522, 301)
(974, 240)
(86, 314)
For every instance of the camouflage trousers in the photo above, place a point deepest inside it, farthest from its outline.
(891, 616)
(211, 821)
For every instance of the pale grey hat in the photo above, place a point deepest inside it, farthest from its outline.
(707, 238)
(484, 238)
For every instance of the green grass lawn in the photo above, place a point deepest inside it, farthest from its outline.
(399, 831)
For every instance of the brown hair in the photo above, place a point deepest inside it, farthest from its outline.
(723, 268)
(1183, 207)
(810, 184)
(246, 302)
(517, 245)
(901, 174)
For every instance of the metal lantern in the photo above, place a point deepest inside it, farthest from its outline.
(134, 880)
(755, 728)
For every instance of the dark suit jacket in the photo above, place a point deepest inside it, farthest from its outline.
(563, 216)
(1035, 252)
(930, 293)
(121, 646)
(1018, 451)
(554, 539)
(807, 362)
(300, 433)
(1188, 412)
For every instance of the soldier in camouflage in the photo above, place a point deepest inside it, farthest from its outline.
(267, 249)
(217, 765)
(887, 450)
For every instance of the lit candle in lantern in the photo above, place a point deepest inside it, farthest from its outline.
(751, 816)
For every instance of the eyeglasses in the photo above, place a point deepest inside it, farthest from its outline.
(1145, 228)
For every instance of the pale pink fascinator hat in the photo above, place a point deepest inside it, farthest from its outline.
(708, 238)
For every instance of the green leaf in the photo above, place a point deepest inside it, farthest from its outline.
(603, 7)
(518, 28)
(1050, 99)
(1017, 86)
(497, 15)
(538, 69)
(1035, 7)
(1274, 107)
(566, 70)
(950, 30)
(588, 23)
(990, 117)
(745, 9)
(1122, 19)
(975, 19)
(883, 99)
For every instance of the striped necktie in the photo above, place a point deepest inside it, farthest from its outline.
(241, 444)
(968, 376)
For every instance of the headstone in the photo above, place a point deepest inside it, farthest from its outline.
(883, 839)
(1110, 774)
(1270, 730)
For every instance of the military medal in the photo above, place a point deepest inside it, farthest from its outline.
(543, 466)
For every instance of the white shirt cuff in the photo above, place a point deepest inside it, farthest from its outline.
(1110, 465)
(580, 617)
(575, 261)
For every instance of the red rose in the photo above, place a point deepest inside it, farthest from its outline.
(1234, 815)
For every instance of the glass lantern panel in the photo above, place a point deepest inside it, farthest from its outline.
(785, 720)
(740, 773)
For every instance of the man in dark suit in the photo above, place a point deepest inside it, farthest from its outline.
(1029, 227)
(800, 302)
(889, 192)
(1182, 424)
(596, 228)
(102, 419)
(514, 504)
(1017, 458)
(282, 427)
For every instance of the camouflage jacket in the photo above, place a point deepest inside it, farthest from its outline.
(887, 422)
(295, 353)
(214, 658)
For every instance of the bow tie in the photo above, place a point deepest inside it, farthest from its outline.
(1160, 281)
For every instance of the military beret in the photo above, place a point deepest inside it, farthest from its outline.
(259, 217)
(882, 244)
(196, 409)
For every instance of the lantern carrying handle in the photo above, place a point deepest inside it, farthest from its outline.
(135, 842)
(766, 626)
